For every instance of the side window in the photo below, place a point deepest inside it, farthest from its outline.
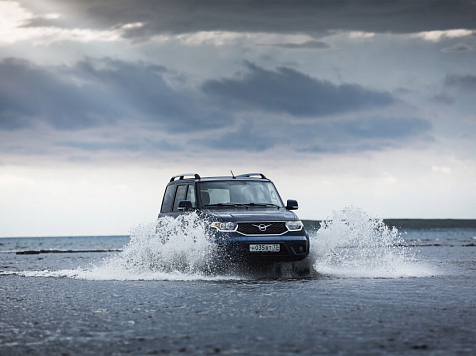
(191, 195)
(168, 197)
(179, 195)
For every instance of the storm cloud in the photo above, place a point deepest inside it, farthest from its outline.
(250, 137)
(289, 91)
(458, 48)
(138, 145)
(363, 134)
(463, 82)
(29, 93)
(312, 45)
(111, 93)
(183, 16)
(96, 92)
(325, 136)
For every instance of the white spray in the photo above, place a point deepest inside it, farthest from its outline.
(350, 244)
(353, 244)
(177, 247)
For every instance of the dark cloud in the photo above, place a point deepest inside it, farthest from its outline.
(458, 48)
(385, 128)
(289, 91)
(43, 22)
(443, 98)
(248, 138)
(95, 92)
(29, 93)
(315, 45)
(463, 82)
(184, 16)
(363, 134)
(349, 147)
(327, 136)
(139, 145)
(142, 89)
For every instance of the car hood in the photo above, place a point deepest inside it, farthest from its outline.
(254, 215)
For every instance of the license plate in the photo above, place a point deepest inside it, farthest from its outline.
(265, 248)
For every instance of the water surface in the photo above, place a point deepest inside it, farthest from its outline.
(373, 290)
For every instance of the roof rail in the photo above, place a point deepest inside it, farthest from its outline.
(253, 175)
(181, 176)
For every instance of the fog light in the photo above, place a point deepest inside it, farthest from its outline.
(299, 249)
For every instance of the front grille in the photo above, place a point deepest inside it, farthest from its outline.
(262, 228)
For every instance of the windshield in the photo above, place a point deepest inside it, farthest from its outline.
(236, 193)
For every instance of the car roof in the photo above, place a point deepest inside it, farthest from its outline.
(181, 178)
(204, 179)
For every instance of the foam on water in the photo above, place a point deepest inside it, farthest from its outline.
(353, 244)
(350, 244)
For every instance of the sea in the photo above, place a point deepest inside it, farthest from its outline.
(368, 288)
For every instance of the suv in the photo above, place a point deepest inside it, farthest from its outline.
(244, 213)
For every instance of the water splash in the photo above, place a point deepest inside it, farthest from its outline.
(170, 248)
(350, 244)
(353, 244)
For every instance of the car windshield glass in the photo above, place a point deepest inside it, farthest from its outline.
(236, 192)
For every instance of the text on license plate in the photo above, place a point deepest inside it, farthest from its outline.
(264, 248)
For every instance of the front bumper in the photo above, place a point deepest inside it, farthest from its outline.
(294, 246)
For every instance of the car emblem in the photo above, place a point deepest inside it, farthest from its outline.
(262, 227)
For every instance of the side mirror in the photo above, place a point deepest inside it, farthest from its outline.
(185, 205)
(292, 205)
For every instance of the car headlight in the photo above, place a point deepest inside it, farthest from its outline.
(294, 225)
(225, 226)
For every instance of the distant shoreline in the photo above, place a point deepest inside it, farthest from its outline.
(401, 224)
(414, 224)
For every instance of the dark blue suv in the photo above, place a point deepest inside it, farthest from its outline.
(245, 214)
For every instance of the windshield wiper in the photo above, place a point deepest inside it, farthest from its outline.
(222, 204)
(263, 204)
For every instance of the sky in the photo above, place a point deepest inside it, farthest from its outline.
(370, 104)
